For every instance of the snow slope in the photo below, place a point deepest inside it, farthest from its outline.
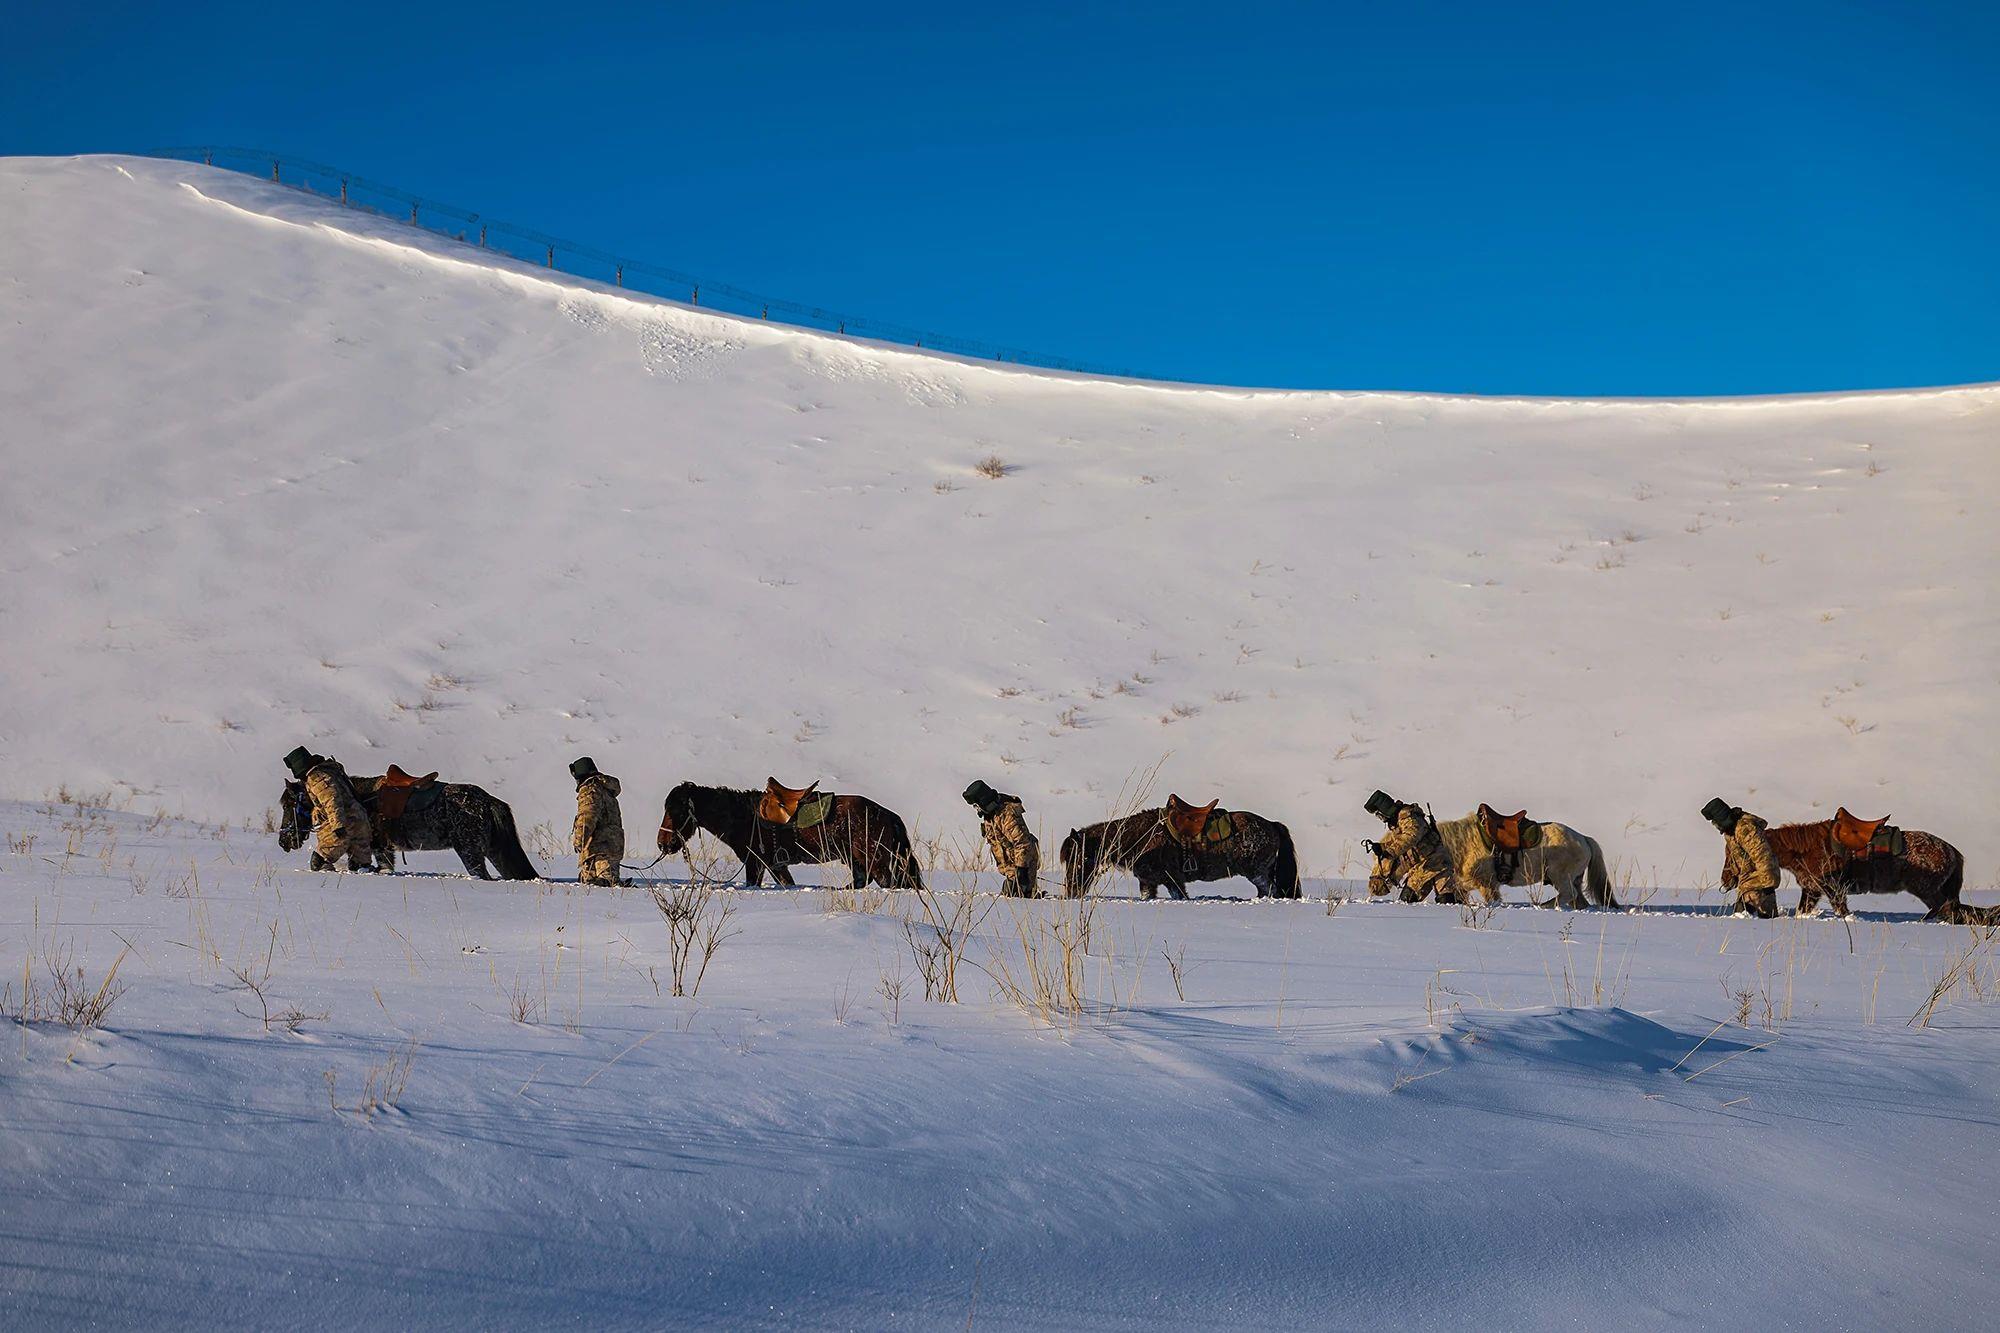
(275, 471)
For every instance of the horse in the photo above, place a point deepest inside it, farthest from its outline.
(868, 836)
(1258, 849)
(469, 820)
(1928, 867)
(1565, 860)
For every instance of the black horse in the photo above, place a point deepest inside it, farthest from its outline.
(869, 837)
(467, 819)
(1146, 844)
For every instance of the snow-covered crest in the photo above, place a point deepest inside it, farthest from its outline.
(280, 472)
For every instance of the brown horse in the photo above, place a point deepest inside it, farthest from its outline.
(869, 837)
(1822, 856)
(1178, 844)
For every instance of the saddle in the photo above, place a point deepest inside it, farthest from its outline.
(1509, 833)
(397, 789)
(1197, 826)
(799, 807)
(1867, 837)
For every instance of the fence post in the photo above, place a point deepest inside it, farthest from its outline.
(550, 264)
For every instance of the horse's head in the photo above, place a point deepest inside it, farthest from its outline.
(677, 820)
(295, 817)
(1382, 876)
(1079, 861)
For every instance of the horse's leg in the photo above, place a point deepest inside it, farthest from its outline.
(1569, 891)
(474, 858)
(1147, 889)
(1809, 891)
(1177, 887)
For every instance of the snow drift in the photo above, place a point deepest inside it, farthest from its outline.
(280, 472)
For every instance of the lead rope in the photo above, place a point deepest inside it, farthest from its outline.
(665, 828)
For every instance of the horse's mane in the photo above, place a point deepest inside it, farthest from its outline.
(744, 792)
(1798, 838)
(1115, 842)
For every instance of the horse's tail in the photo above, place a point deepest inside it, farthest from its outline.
(1285, 868)
(902, 853)
(1597, 879)
(503, 842)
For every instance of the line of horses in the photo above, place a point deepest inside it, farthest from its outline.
(1169, 846)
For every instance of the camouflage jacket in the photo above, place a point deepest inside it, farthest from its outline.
(600, 828)
(334, 804)
(1753, 865)
(1006, 830)
(1413, 842)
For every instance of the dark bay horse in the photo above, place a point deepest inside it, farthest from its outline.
(467, 819)
(1254, 847)
(869, 837)
(1928, 867)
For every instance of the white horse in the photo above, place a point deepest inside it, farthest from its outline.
(1554, 854)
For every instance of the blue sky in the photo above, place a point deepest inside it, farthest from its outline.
(1565, 198)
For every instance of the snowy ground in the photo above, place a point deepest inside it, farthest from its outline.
(1380, 1115)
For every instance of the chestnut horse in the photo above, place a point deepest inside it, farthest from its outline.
(869, 837)
(1929, 867)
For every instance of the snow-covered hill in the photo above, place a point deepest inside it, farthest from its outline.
(275, 471)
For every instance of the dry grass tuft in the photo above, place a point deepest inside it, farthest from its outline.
(65, 997)
(697, 921)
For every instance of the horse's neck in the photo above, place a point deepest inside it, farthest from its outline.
(1457, 833)
(722, 808)
(1802, 845)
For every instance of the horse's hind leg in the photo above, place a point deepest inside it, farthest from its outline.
(474, 859)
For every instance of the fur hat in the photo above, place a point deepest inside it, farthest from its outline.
(980, 796)
(1382, 805)
(300, 761)
(1721, 814)
(583, 768)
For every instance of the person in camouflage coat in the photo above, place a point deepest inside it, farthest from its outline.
(1413, 843)
(1748, 856)
(1015, 850)
(599, 834)
(340, 823)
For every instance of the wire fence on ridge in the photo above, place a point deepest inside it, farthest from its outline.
(589, 262)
